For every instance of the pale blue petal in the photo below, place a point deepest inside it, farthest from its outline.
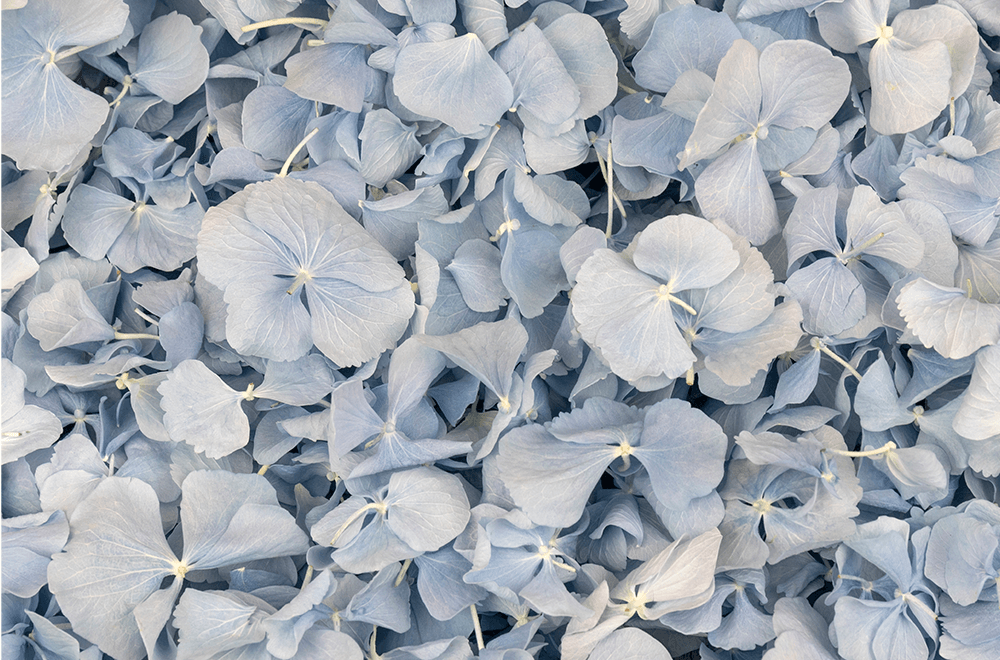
(550, 199)
(299, 382)
(489, 351)
(811, 227)
(388, 147)
(440, 583)
(802, 83)
(670, 50)
(48, 119)
(733, 109)
(683, 450)
(181, 331)
(476, 269)
(951, 187)
(734, 189)
(230, 518)
(531, 271)
(948, 321)
(549, 479)
(381, 602)
(978, 418)
(620, 312)
(172, 62)
(65, 316)
(216, 622)
(29, 543)
(427, 507)
(112, 564)
(910, 85)
(274, 121)
(652, 143)
(454, 81)
(336, 74)
(876, 401)
(685, 251)
(581, 44)
(542, 86)
(200, 409)
(832, 299)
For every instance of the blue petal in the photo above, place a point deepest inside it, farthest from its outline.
(454, 81)
(670, 51)
(172, 62)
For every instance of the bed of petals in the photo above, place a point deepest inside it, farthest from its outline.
(512, 330)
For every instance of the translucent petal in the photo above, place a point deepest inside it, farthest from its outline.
(550, 480)
(978, 418)
(670, 51)
(542, 86)
(946, 320)
(231, 518)
(910, 86)
(172, 62)
(454, 81)
(427, 507)
(683, 450)
(832, 299)
(685, 251)
(581, 44)
(802, 83)
(112, 564)
(620, 312)
(200, 409)
(735, 190)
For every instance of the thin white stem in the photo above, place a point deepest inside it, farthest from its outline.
(134, 335)
(402, 572)
(951, 116)
(69, 52)
(126, 85)
(263, 469)
(912, 600)
(307, 578)
(818, 344)
(353, 517)
(477, 627)
(288, 20)
(295, 152)
(870, 453)
(146, 317)
(604, 173)
(683, 305)
(861, 248)
(611, 195)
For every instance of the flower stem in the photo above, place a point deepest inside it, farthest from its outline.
(288, 20)
(146, 317)
(869, 453)
(134, 335)
(402, 572)
(353, 517)
(295, 152)
(611, 196)
(818, 344)
(477, 627)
